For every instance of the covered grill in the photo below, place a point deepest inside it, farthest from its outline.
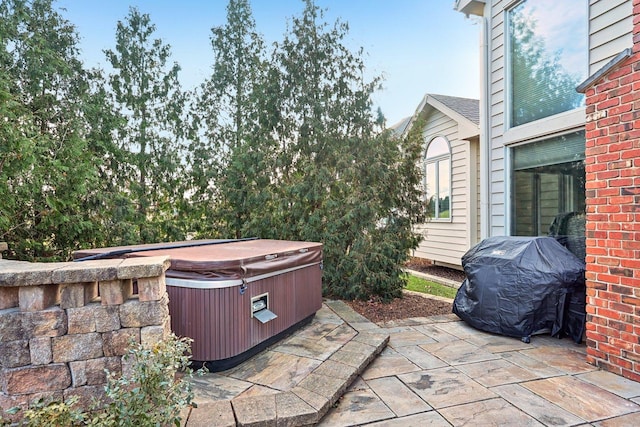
(234, 298)
(520, 286)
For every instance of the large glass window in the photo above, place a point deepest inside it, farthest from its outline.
(438, 178)
(547, 57)
(548, 180)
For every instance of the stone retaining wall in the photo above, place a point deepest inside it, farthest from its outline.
(63, 324)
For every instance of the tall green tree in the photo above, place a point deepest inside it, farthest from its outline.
(232, 153)
(47, 172)
(340, 179)
(148, 95)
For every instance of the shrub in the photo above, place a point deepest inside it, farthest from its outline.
(54, 414)
(153, 393)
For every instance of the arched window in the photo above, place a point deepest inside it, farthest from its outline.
(437, 178)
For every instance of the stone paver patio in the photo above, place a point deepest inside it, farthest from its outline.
(342, 370)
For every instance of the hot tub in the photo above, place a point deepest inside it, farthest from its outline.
(234, 298)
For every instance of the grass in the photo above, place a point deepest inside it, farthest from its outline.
(417, 284)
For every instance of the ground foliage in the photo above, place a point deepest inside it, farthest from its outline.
(278, 142)
(152, 394)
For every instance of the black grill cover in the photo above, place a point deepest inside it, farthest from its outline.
(518, 286)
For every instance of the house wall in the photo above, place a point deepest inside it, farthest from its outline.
(613, 215)
(446, 241)
(610, 26)
(496, 119)
(612, 127)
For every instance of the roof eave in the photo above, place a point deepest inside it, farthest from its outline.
(470, 7)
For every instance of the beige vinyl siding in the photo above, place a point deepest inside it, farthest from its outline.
(610, 30)
(445, 241)
(497, 88)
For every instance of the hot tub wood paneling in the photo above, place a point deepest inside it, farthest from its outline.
(206, 303)
(219, 320)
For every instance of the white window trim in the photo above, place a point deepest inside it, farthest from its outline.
(435, 161)
(547, 127)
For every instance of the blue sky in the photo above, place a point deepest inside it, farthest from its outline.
(419, 46)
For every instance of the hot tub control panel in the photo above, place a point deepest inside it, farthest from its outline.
(260, 308)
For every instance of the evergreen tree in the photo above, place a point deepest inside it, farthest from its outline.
(231, 156)
(148, 95)
(47, 172)
(340, 180)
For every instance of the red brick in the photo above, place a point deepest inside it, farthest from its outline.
(630, 281)
(593, 352)
(607, 331)
(609, 314)
(609, 243)
(634, 376)
(608, 261)
(632, 134)
(596, 320)
(631, 154)
(607, 174)
(622, 308)
(596, 336)
(600, 302)
(623, 253)
(622, 182)
(624, 108)
(621, 344)
(605, 86)
(609, 296)
(607, 225)
(623, 363)
(609, 209)
(622, 290)
(630, 337)
(596, 234)
(621, 146)
(596, 285)
(618, 327)
(595, 133)
(607, 192)
(591, 218)
(629, 171)
(629, 78)
(597, 268)
(631, 263)
(609, 349)
(595, 184)
(608, 278)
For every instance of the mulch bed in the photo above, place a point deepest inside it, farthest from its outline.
(410, 305)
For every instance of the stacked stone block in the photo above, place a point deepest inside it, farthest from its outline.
(63, 324)
(613, 214)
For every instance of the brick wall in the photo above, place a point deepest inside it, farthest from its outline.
(63, 324)
(613, 215)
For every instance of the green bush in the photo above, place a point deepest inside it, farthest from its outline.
(152, 394)
(54, 414)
